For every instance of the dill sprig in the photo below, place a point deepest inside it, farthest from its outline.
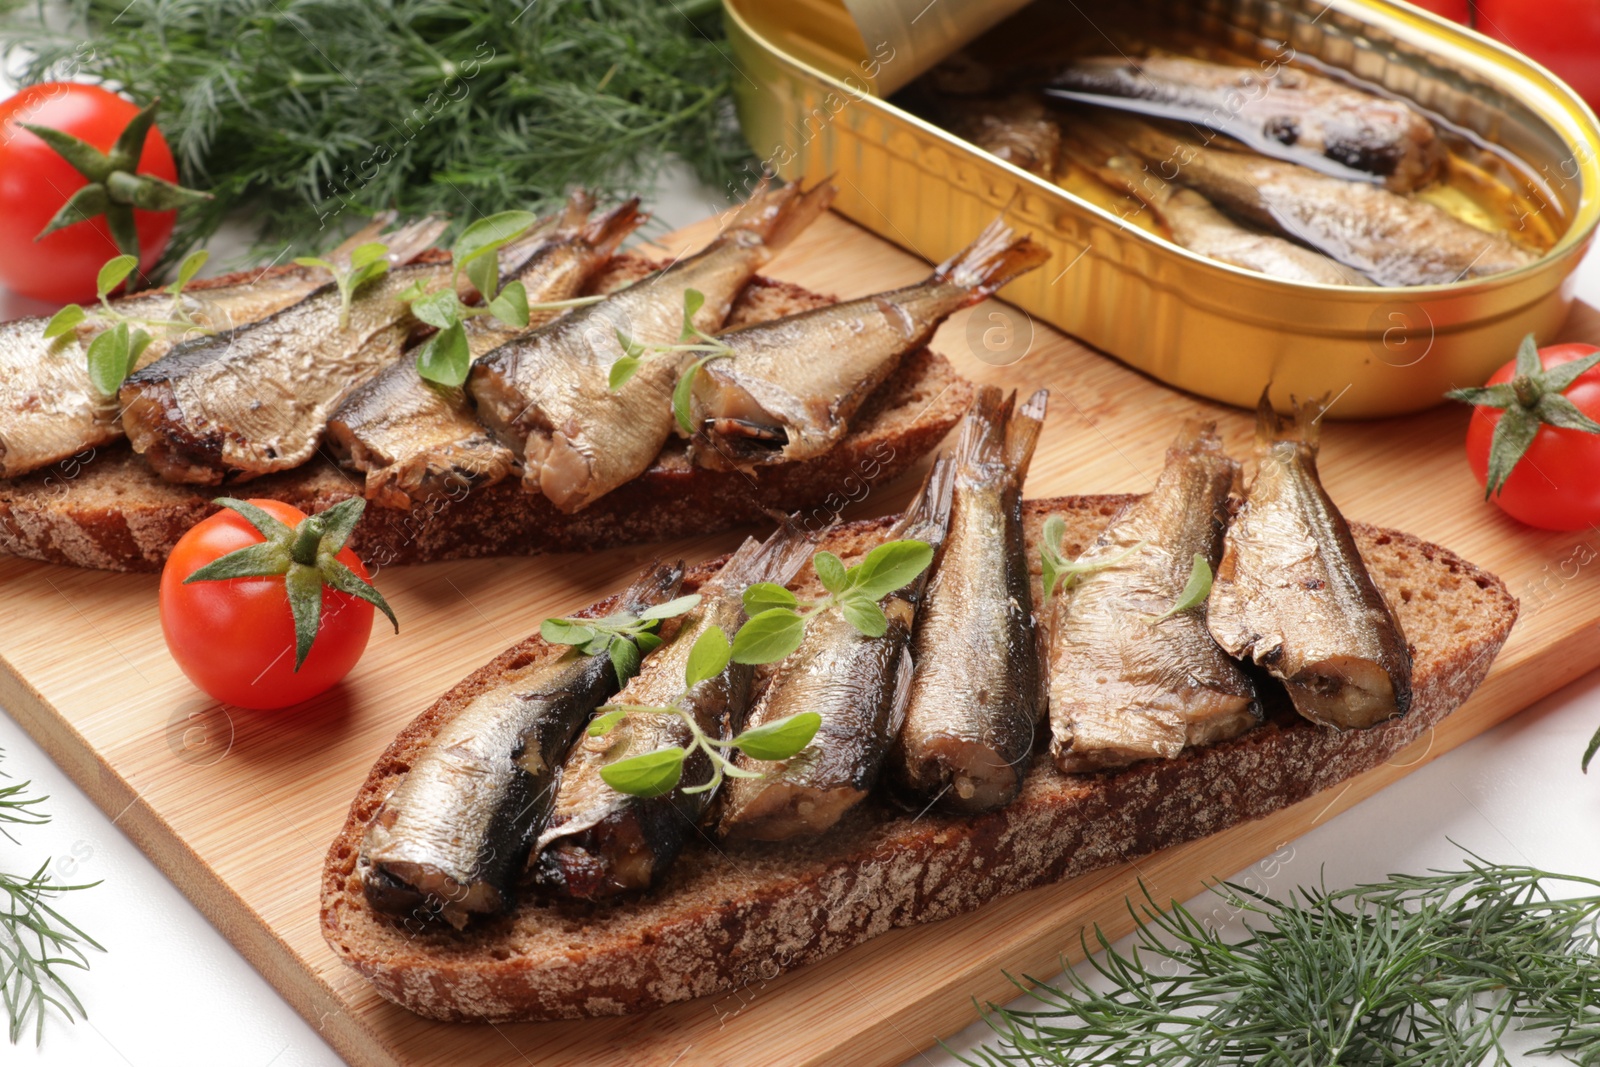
(37, 942)
(1418, 969)
(318, 112)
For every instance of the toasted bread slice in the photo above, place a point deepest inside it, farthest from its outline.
(110, 511)
(725, 916)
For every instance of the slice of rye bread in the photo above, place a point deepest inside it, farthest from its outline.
(112, 512)
(723, 917)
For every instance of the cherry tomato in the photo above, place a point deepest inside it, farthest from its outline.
(1564, 35)
(35, 182)
(1556, 485)
(235, 638)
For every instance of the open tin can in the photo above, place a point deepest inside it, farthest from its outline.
(811, 102)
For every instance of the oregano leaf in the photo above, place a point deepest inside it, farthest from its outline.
(780, 739)
(651, 774)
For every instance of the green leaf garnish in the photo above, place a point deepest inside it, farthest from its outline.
(565, 632)
(651, 774)
(683, 392)
(671, 608)
(864, 615)
(603, 636)
(187, 270)
(367, 262)
(625, 658)
(766, 595)
(440, 309)
(622, 370)
(487, 236)
(769, 636)
(602, 723)
(484, 274)
(708, 657)
(1588, 753)
(780, 739)
(64, 322)
(1055, 570)
(693, 301)
(511, 306)
(111, 355)
(889, 567)
(774, 629)
(830, 572)
(1195, 590)
(446, 357)
(690, 339)
(113, 274)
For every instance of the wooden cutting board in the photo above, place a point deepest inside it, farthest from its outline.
(238, 807)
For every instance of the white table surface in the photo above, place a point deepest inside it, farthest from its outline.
(171, 992)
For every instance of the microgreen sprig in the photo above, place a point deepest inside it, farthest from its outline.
(624, 637)
(655, 773)
(778, 619)
(115, 350)
(446, 357)
(690, 339)
(1195, 591)
(1056, 569)
(367, 262)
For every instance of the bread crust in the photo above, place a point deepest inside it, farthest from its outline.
(727, 916)
(108, 510)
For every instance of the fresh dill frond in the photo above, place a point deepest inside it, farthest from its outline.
(1431, 969)
(17, 807)
(37, 942)
(316, 113)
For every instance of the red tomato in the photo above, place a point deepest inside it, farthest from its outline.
(1564, 35)
(35, 182)
(235, 638)
(1556, 486)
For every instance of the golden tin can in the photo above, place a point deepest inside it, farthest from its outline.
(811, 106)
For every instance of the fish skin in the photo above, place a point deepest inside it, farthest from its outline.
(1019, 129)
(976, 697)
(858, 684)
(1196, 224)
(1313, 115)
(599, 843)
(1392, 239)
(415, 439)
(1122, 689)
(1292, 594)
(454, 836)
(792, 386)
(547, 393)
(49, 408)
(256, 400)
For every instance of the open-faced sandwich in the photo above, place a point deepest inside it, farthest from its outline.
(766, 759)
(537, 391)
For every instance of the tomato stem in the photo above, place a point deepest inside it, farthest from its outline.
(307, 540)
